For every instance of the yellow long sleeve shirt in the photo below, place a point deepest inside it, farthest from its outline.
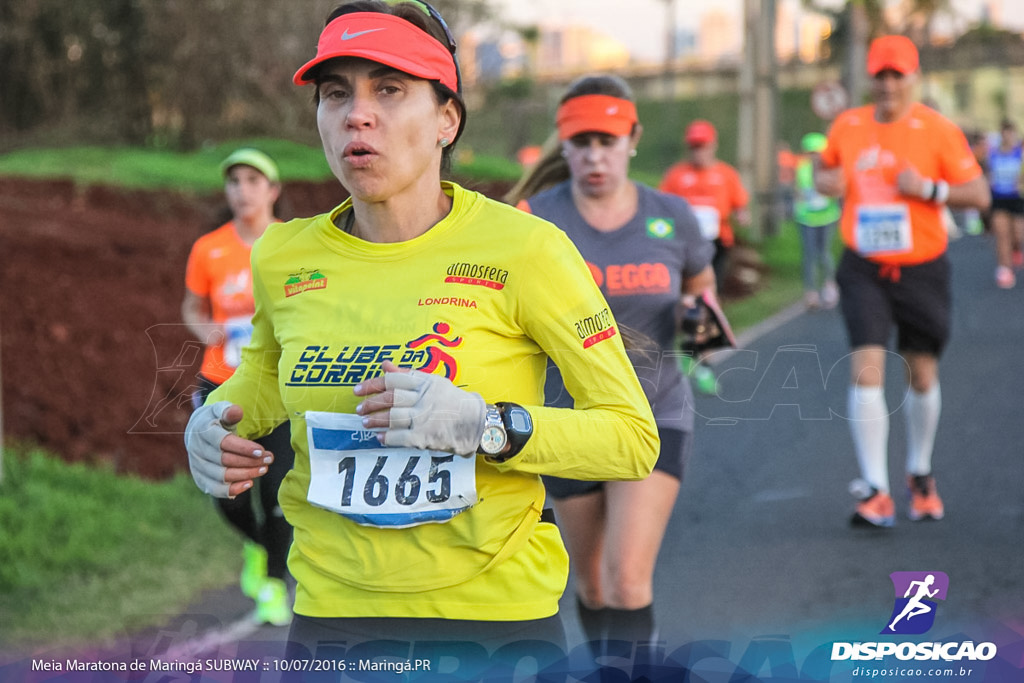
(483, 297)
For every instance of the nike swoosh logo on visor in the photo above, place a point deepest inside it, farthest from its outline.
(349, 36)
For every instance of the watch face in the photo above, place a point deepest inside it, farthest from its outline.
(493, 440)
(520, 420)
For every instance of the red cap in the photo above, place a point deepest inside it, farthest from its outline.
(892, 52)
(386, 39)
(700, 132)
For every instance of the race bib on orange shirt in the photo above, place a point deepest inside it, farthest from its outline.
(352, 474)
(709, 220)
(883, 229)
(239, 333)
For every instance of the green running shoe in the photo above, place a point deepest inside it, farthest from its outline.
(704, 380)
(272, 603)
(254, 568)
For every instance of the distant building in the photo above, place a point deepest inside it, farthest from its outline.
(489, 56)
(686, 44)
(720, 37)
(578, 48)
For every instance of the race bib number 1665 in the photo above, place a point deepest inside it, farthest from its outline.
(352, 474)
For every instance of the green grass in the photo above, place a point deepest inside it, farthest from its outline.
(145, 168)
(781, 287)
(89, 555)
(485, 167)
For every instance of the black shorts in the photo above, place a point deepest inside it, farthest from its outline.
(370, 637)
(917, 299)
(1011, 205)
(675, 451)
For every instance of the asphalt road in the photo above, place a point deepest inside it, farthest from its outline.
(759, 545)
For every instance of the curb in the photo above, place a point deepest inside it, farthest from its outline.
(756, 331)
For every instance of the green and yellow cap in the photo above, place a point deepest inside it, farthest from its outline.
(249, 156)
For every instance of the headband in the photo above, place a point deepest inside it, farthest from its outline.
(595, 114)
(386, 39)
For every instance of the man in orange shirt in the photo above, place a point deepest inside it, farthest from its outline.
(716, 194)
(713, 188)
(896, 163)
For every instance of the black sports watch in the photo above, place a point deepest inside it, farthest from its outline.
(505, 424)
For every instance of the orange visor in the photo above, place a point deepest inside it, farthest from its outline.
(595, 114)
(385, 39)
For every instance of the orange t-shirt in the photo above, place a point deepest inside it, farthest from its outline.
(787, 162)
(218, 270)
(878, 222)
(713, 192)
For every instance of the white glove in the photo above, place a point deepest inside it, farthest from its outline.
(431, 413)
(203, 436)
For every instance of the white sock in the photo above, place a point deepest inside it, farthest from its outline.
(869, 425)
(922, 413)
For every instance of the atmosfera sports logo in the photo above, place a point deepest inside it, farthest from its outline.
(913, 613)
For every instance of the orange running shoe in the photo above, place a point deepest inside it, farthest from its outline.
(924, 499)
(875, 509)
(1005, 279)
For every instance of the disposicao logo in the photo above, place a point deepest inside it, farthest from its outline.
(913, 613)
(914, 610)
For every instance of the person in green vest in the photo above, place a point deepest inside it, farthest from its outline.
(816, 217)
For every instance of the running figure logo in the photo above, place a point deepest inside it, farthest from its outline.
(913, 612)
(429, 345)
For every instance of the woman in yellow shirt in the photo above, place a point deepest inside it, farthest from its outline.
(405, 335)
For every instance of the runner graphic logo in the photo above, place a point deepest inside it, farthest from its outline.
(914, 608)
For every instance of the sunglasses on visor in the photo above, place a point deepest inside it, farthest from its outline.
(432, 12)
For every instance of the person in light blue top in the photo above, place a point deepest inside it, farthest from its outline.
(816, 217)
(1004, 176)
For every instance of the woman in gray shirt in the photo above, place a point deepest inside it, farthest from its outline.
(646, 252)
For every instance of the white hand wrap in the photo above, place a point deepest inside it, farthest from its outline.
(203, 435)
(431, 413)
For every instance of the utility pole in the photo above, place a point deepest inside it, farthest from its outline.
(854, 78)
(758, 119)
(670, 47)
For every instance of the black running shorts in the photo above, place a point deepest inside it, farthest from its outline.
(917, 299)
(1012, 205)
(675, 451)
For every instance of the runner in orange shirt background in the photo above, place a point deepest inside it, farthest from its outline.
(217, 309)
(897, 164)
(714, 190)
(717, 196)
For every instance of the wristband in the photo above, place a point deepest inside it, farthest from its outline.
(927, 189)
(941, 194)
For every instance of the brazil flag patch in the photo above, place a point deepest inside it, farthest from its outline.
(661, 228)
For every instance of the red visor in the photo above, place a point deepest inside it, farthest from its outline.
(595, 114)
(385, 39)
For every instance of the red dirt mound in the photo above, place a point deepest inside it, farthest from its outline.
(96, 364)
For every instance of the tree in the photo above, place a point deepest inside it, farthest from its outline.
(177, 71)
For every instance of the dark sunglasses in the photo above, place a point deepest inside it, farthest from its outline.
(431, 12)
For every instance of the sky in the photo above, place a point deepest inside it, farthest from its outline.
(639, 26)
